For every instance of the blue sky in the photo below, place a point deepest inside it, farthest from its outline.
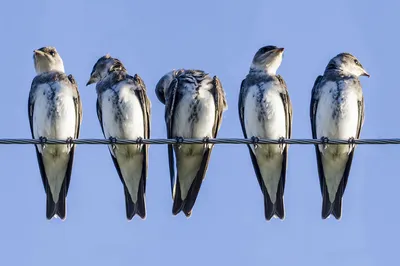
(227, 226)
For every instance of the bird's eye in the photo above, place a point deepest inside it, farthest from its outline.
(52, 53)
(356, 62)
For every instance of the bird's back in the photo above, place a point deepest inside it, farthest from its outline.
(194, 114)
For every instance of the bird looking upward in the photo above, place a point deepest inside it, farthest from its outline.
(55, 111)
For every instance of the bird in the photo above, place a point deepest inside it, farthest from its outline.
(194, 104)
(337, 112)
(124, 112)
(265, 111)
(55, 111)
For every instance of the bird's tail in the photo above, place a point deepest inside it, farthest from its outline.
(139, 207)
(178, 202)
(277, 208)
(328, 207)
(53, 208)
(187, 204)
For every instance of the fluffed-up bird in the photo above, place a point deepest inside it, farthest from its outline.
(336, 112)
(55, 111)
(123, 110)
(265, 111)
(194, 103)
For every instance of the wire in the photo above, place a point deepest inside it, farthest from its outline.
(253, 140)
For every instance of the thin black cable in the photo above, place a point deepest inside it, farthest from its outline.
(253, 140)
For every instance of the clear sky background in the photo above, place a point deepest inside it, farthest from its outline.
(227, 226)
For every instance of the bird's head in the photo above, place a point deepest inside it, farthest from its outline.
(268, 59)
(164, 83)
(47, 59)
(103, 66)
(347, 64)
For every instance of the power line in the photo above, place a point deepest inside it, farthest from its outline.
(253, 140)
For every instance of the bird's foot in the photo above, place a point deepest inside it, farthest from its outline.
(113, 142)
(352, 145)
(179, 141)
(281, 142)
(255, 141)
(206, 142)
(43, 141)
(325, 141)
(139, 142)
(69, 142)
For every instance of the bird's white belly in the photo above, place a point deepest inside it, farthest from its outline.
(272, 124)
(122, 118)
(54, 117)
(337, 122)
(184, 124)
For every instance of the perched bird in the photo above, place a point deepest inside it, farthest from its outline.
(194, 103)
(265, 111)
(337, 112)
(123, 109)
(55, 111)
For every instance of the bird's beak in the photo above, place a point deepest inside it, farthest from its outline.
(91, 81)
(365, 74)
(279, 50)
(38, 52)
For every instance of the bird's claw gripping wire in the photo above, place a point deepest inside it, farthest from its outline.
(43, 141)
(113, 142)
(69, 142)
(205, 142)
(139, 142)
(179, 141)
(324, 141)
(281, 142)
(255, 141)
(352, 144)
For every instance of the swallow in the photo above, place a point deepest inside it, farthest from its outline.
(55, 111)
(265, 111)
(336, 112)
(194, 104)
(123, 110)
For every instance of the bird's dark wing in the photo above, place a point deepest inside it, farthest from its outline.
(145, 103)
(78, 106)
(360, 116)
(313, 111)
(288, 115)
(173, 99)
(31, 106)
(241, 108)
(78, 121)
(220, 104)
(288, 107)
(99, 114)
(242, 97)
(359, 126)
